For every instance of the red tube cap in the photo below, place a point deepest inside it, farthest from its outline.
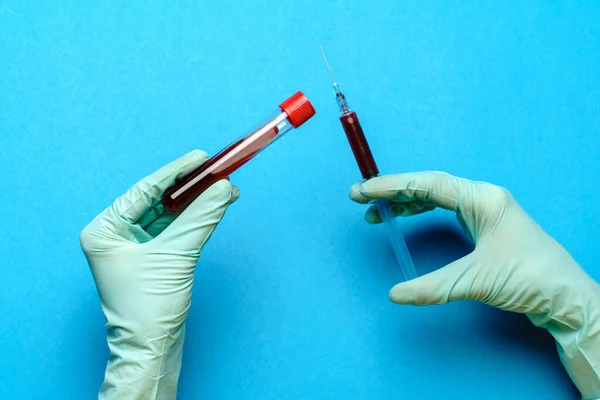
(298, 109)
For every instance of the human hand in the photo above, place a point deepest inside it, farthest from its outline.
(143, 260)
(515, 266)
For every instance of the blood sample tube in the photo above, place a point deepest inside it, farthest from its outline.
(292, 113)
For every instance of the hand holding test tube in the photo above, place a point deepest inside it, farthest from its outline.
(292, 113)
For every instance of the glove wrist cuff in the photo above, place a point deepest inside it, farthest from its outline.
(579, 349)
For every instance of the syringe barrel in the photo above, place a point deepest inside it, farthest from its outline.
(292, 113)
(359, 145)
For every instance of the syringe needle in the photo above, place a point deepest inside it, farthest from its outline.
(341, 99)
(327, 63)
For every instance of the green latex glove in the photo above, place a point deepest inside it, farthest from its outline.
(515, 266)
(143, 260)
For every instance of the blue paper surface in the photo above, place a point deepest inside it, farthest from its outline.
(290, 299)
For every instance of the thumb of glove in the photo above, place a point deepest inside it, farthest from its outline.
(190, 230)
(452, 282)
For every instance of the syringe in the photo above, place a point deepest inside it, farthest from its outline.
(368, 168)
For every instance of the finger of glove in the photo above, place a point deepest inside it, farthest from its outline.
(356, 195)
(452, 282)
(161, 223)
(235, 194)
(188, 233)
(151, 215)
(400, 210)
(155, 227)
(438, 188)
(147, 193)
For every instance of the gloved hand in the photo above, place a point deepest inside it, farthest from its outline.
(142, 260)
(516, 265)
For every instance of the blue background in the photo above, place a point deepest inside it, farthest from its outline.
(291, 298)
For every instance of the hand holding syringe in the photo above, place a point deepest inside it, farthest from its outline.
(368, 169)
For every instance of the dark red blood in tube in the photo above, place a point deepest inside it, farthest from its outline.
(223, 163)
(297, 109)
(358, 143)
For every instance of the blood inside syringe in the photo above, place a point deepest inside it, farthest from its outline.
(358, 144)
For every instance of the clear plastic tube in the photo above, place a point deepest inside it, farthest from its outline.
(293, 112)
(396, 239)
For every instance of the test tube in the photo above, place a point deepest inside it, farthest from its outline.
(292, 113)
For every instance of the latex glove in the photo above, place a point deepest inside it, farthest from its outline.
(142, 260)
(515, 266)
